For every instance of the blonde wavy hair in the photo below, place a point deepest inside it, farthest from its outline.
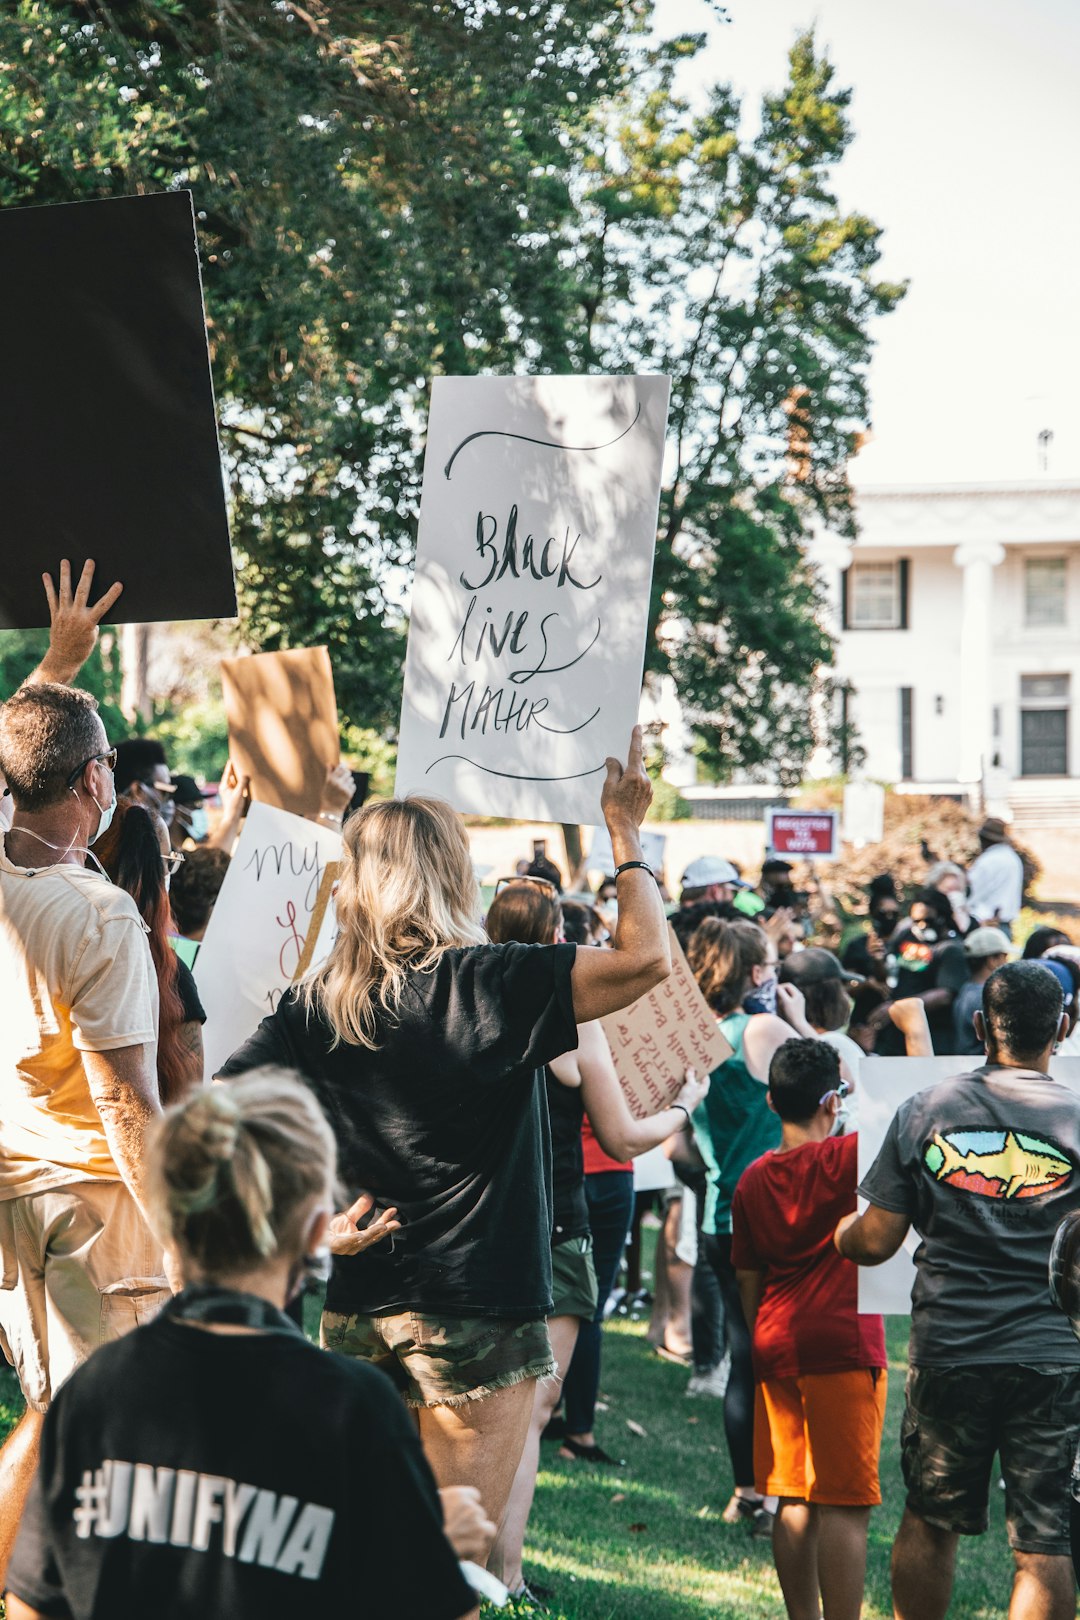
(406, 893)
(232, 1171)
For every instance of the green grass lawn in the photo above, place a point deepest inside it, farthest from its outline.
(646, 1540)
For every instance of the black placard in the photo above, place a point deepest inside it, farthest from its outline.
(108, 433)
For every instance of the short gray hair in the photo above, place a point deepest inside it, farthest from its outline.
(46, 733)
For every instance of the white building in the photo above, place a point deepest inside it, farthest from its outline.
(958, 620)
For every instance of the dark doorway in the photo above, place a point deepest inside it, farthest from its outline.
(1044, 742)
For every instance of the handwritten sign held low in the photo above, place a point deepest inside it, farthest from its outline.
(273, 921)
(658, 1037)
(533, 570)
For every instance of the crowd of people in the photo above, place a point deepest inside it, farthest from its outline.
(431, 1123)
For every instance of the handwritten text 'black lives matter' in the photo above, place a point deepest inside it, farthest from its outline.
(530, 643)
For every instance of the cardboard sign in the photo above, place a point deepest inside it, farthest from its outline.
(661, 1035)
(272, 922)
(811, 835)
(531, 602)
(602, 859)
(108, 432)
(884, 1083)
(283, 724)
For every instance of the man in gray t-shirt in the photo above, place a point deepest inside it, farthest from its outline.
(984, 1167)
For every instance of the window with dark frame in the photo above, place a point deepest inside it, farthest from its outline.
(1044, 592)
(874, 595)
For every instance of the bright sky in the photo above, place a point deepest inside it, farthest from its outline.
(967, 151)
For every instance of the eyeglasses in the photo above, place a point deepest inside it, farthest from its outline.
(107, 759)
(841, 1091)
(174, 860)
(543, 883)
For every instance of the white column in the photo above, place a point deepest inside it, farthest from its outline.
(831, 555)
(978, 559)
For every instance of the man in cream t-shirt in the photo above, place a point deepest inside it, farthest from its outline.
(78, 1079)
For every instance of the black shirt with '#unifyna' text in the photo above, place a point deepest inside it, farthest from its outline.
(187, 1475)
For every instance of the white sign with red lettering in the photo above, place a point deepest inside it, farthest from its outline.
(257, 940)
(812, 835)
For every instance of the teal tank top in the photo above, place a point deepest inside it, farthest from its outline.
(733, 1126)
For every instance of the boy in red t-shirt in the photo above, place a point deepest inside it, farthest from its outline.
(819, 1366)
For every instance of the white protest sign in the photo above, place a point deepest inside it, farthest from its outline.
(601, 858)
(864, 813)
(660, 1035)
(884, 1083)
(530, 608)
(272, 896)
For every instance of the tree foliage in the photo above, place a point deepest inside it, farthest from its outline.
(381, 196)
(722, 258)
(390, 190)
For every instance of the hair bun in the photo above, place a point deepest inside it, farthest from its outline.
(209, 1128)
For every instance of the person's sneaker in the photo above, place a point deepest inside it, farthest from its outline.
(714, 1381)
(526, 1599)
(763, 1523)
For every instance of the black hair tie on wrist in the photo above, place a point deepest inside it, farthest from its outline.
(628, 866)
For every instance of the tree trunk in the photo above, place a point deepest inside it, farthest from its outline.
(575, 860)
(134, 666)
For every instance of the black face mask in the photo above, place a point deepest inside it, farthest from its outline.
(782, 894)
(884, 922)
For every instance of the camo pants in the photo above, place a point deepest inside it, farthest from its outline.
(957, 1418)
(443, 1360)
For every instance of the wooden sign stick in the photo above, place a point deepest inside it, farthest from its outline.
(322, 900)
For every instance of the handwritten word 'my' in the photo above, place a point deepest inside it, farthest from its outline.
(541, 559)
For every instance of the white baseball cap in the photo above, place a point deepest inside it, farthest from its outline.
(987, 942)
(709, 869)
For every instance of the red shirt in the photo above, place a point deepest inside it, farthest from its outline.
(595, 1158)
(783, 1216)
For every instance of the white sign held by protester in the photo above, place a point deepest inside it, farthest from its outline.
(864, 813)
(884, 1083)
(273, 897)
(530, 606)
(601, 858)
(660, 1035)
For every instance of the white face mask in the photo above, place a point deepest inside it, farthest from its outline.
(198, 824)
(106, 816)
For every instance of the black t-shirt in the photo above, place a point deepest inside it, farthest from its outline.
(567, 1113)
(185, 1473)
(189, 996)
(930, 966)
(446, 1119)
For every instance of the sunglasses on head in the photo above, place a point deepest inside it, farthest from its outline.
(108, 759)
(541, 882)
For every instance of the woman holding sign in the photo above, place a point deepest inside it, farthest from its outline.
(735, 965)
(425, 1045)
(529, 912)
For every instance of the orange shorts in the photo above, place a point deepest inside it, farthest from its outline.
(817, 1438)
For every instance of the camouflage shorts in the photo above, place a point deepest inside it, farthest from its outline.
(443, 1360)
(957, 1418)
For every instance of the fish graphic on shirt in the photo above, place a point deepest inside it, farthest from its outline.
(997, 1164)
